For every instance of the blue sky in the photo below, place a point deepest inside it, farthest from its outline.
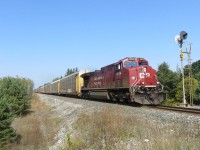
(40, 39)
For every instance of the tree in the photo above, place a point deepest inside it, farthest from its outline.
(197, 92)
(55, 79)
(7, 133)
(18, 91)
(70, 71)
(27, 85)
(179, 93)
(196, 67)
(196, 75)
(169, 79)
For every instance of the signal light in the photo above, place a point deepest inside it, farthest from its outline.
(179, 38)
(182, 55)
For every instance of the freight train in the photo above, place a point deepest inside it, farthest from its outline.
(130, 79)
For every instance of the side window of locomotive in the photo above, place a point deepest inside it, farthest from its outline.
(118, 66)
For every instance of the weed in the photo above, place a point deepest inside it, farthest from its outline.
(111, 129)
(37, 129)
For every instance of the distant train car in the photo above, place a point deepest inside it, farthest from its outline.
(40, 89)
(55, 87)
(47, 88)
(71, 84)
(130, 79)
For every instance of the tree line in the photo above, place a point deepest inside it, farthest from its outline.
(172, 82)
(15, 100)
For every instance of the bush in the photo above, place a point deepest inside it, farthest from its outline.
(179, 94)
(18, 93)
(7, 133)
(170, 102)
(100, 130)
(116, 129)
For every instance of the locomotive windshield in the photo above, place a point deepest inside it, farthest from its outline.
(130, 64)
(143, 63)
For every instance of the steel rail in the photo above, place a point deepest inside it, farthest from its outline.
(178, 109)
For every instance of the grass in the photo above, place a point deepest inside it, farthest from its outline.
(37, 129)
(171, 102)
(110, 129)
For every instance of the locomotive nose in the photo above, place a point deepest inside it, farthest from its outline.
(145, 98)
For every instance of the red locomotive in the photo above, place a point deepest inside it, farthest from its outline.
(130, 79)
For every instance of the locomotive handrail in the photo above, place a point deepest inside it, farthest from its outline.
(136, 81)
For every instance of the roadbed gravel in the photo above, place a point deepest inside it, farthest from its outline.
(68, 109)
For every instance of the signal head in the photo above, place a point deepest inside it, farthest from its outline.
(183, 35)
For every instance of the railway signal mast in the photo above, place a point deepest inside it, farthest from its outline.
(188, 52)
(179, 39)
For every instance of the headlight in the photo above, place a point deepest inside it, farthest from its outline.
(133, 77)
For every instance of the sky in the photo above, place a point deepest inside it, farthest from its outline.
(41, 39)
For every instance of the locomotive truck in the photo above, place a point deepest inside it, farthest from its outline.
(130, 79)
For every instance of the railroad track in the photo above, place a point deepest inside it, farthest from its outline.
(178, 109)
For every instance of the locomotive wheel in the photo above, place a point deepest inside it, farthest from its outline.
(112, 97)
(123, 99)
(85, 95)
